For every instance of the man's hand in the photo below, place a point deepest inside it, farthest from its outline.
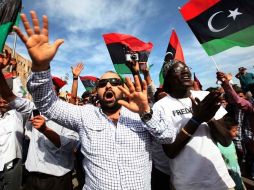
(138, 101)
(144, 68)
(5, 59)
(38, 123)
(205, 110)
(77, 69)
(37, 42)
(222, 77)
(133, 66)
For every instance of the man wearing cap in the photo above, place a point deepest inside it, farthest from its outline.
(195, 161)
(246, 79)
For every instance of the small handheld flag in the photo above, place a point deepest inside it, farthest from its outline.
(197, 83)
(174, 52)
(89, 82)
(9, 10)
(58, 82)
(120, 44)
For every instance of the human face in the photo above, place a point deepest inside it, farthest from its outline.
(180, 76)
(108, 91)
(242, 70)
(85, 100)
(4, 107)
(233, 132)
(241, 95)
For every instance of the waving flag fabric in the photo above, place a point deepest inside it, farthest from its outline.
(197, 82)
(58, 82)
(220, 24)
(9, 10)
(89, 82)
(174, 52)
(120, 44)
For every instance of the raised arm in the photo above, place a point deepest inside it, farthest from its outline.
(39, 123)
(233, 97)
(138, 102)
(40, 82)
(74, 90)
(151, 88)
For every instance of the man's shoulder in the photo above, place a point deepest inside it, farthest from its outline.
(12, 114)
(199, 94)
(165, 100)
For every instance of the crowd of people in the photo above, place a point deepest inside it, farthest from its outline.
(124, 134)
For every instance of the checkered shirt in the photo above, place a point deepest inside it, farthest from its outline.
(115, 157)
(244, 129)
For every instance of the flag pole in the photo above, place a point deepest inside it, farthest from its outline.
(14, 45)
(217, 68)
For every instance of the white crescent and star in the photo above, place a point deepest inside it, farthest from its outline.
(169, 53)
(232, 14)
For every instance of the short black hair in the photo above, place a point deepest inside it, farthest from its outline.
(85, 94)
(237, 89)
(230, 122)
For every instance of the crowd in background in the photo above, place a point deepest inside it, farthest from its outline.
(123, 134)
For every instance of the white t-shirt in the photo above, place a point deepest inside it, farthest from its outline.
(199, 165)
(11, 136)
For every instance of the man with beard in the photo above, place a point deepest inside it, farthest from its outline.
(195, 161)
(115, 142)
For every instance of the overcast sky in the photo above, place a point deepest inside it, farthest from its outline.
(81, 24)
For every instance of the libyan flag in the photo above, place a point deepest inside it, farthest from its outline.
(58, 82)
(220, 24)
(89, 82)
(9, 10)
(174, 52)
(120, 44)
(198, 83)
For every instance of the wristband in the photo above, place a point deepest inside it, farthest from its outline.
(75, 78)
(196, 121)
(186, 133)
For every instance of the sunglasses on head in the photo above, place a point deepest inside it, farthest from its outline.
(113, 81)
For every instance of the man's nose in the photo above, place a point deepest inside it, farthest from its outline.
(108, 85)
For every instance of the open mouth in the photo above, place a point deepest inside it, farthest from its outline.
(186, 77)
(109, 96)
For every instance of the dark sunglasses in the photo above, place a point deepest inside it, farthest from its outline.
(113, 81)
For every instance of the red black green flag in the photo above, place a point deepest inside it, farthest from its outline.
(197, 82)
(174, 52)
(220, 24)
(89, 82)
(121, 44)
(8, 77)
(58, 82)
(9, 10)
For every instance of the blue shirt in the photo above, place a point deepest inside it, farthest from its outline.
(245, 80)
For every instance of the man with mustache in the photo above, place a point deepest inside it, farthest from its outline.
(115, 141)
